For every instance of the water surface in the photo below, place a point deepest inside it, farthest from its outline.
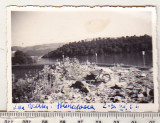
(133, 59)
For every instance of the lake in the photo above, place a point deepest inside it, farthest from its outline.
(133, 59)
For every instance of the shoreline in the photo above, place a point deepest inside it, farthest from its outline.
(99, 64)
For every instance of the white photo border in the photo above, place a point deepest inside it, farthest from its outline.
(98, 106)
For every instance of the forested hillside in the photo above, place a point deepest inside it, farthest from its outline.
(103, 46)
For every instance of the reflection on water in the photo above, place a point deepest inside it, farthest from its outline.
(135, 59)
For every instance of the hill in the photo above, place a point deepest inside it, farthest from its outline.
(38, 50)
(132, 44)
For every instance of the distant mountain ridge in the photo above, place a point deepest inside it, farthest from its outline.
(38, 50)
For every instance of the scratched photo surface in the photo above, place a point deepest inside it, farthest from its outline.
(82, 56)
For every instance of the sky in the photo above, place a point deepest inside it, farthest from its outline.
(29, 28)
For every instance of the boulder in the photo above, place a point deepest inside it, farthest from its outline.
(90, 77)
(84, 90)
(115, 87)
(79, 85)
(145, 93)
(151, 92)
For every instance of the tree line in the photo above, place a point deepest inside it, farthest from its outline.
(132, 44)
(21, 58)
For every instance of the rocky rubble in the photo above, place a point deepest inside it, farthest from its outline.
(126, 85)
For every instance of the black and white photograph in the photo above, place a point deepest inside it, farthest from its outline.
(83, 55)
